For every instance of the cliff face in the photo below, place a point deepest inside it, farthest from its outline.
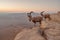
(29, 34)
(51, 33)
(56, 17)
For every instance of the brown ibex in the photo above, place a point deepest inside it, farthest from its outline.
(34, 19)
(39, 19)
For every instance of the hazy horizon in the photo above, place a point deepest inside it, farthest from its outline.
(29, 5)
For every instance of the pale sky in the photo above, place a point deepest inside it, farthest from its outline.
(28, 5)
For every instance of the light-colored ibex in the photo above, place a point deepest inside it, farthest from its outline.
(34, 19)
(45, 15)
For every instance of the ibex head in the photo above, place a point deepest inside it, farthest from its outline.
(29, 15)
(42, 13)
(31, 12)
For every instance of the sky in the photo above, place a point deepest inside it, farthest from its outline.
(29, 5)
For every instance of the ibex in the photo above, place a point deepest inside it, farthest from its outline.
(34, 19)
(38, 19)
(45, 15)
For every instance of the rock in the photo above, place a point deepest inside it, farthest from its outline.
(30, 34)
(53, 33)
